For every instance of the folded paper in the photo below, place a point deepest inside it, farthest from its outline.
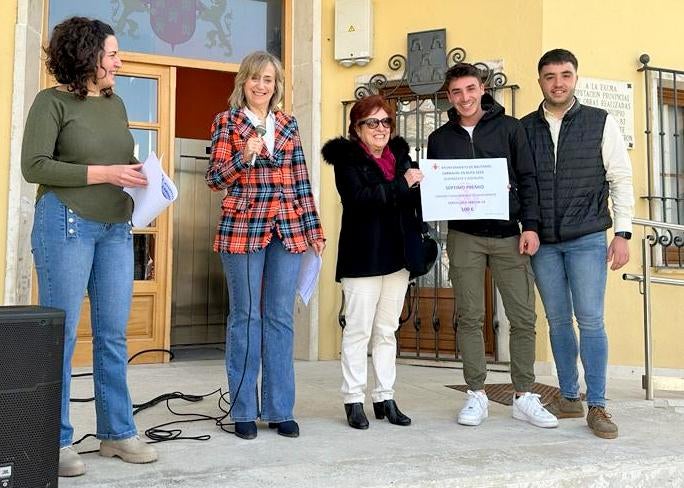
(151, 200)
(308, 275)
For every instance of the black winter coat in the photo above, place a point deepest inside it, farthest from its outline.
(381, 225)
(496, 135)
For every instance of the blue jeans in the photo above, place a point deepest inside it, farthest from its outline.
(571, 277)
(72, 254)
(265, 309)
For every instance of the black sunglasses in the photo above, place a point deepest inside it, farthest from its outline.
(374, 123)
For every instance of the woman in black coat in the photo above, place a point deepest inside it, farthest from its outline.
(379, 248)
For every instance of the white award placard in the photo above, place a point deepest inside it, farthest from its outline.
(464, 189)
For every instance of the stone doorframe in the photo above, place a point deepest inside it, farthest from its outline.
(306, 106)
(21, 195)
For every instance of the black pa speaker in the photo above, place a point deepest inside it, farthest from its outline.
(31, 352)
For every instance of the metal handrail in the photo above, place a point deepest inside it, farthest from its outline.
(657, 225)
(659, 281)
(645, 280)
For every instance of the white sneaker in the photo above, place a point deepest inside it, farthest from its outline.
(475, 409)
(528, 408)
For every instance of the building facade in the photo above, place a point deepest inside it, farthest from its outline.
(507, 35)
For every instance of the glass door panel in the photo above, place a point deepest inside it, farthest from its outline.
(141, 94)
(140, 97)
(144, 256)
(145, 143)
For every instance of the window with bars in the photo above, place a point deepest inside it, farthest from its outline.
(665, 156)
(672, 171)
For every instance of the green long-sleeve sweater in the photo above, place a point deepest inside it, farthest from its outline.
(64, 135)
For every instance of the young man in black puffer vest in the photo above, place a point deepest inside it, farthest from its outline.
(581, 159)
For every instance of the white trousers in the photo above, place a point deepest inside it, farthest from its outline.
(372, 309)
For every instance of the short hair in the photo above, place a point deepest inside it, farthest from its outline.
(254, 64)
(75, 49)
(557, 56)
(366, 106)
(462, 70)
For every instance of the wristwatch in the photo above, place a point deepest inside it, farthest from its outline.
(624, 234)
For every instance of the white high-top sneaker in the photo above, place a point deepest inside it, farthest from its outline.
(528, 408)
(475, 409)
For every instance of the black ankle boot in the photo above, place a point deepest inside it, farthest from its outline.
(356, 416)
(246, 430)
(289, 428)
(389, 408)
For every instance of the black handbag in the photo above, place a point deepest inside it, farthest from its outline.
(429, 248)
(430, 251)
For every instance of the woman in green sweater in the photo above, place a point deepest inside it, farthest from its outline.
(78, 149)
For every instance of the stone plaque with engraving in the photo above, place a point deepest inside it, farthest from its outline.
(615, 97)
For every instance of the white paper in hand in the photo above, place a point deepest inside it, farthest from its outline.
(308, 275)
(151, 200)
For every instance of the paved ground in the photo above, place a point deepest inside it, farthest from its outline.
(433, 452)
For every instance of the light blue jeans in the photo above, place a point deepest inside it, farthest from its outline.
(571, 277)
(72, 254)
(265, 310)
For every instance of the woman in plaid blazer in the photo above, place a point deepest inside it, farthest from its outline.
(268, 220)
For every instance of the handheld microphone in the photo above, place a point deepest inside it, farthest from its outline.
(261, 132)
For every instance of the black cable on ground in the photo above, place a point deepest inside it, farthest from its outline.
(158, 433)
(84, 375)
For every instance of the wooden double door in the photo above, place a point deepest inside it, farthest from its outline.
(430, 327)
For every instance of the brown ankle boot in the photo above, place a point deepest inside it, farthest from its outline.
(563, 408)
(600, 424)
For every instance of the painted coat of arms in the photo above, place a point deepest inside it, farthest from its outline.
(175, 21)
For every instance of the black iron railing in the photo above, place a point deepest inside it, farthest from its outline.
(665, 158)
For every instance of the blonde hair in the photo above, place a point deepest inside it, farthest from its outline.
(254, 64)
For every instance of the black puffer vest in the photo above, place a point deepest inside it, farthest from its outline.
(573, 190)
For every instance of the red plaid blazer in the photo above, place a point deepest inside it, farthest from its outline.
(275, 193)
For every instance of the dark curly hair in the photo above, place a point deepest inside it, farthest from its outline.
(75, 49)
